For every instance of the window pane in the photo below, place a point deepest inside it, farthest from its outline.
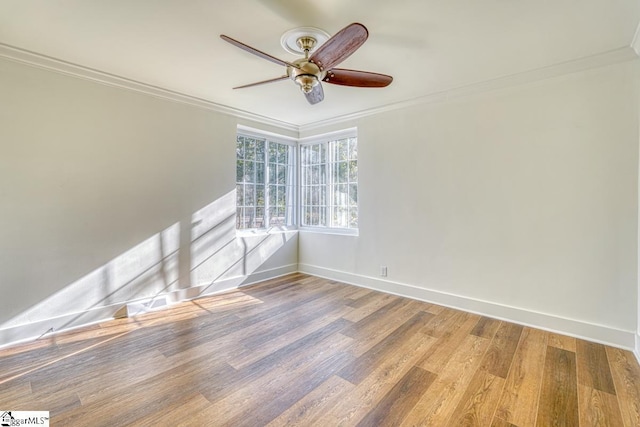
(315, 175)
(249, 171)
(263, 170)
(259, 173)
(283, 151)
(353, 149)
(249, 194)
(250, 149)
(239, 217)
(315, 154)
(239, 170)
(340, 195)
(307, 215)
(328, 183)
(353, 217)
(282, 174)
(353, 194)
(240, 147)
(353, 171)
(343, 172)
(260, 196)
(281, 198)
(342, 219)
(259, 220)
(343, 149)
(273, 153)
(272, 173)
(239, 195)
(260, 150)
(249, 215)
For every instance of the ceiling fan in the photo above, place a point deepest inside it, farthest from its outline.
(318, 65)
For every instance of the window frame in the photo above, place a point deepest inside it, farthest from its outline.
(270, 137)
(325, 138)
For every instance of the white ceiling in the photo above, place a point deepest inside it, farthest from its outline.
(428, 46)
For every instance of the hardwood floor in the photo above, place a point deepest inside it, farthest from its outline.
(300, 350)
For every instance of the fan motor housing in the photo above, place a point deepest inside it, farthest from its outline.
(306, 67)
(307, 76)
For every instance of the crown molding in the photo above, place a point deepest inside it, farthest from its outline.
(67, 68)
(581, 64)
(52, 64)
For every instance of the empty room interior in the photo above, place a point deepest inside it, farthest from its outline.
(279, 212)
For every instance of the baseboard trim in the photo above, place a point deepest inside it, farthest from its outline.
(548, 322)
(49, 327)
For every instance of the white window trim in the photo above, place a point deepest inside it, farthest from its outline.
(297, 214)
(274, 137)
(280, 139)
(315, 139)
(329, 136)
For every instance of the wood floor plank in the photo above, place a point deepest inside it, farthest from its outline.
(444, 321)
(593, 366)
(395, 405)
(519, 401)
(626, 377)
(498, 422)
(241, 356)
(558, 404)
(271, 395)
(302, 350)
(279, 397)
(285, 356)
(438, 403)
(499, 356)
(266, 329)
(562, 341)
(369, 297)
(598, 409)
(376, 319)
(478, 404)
(439, 355)
(368, 304)
(312, 407)
(357, 371)
(486, 327)
(185, 412)
(349, 408)
(366, 335)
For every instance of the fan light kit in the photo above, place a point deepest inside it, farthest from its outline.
(321, 54)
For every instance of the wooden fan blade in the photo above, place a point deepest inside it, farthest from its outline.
(257, 52)
(340, 46)
(316, 95)
(277, 79)
(341, 76)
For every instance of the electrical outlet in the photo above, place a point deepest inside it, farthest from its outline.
(383, 271)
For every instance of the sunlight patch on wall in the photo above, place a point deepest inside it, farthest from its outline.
(143, 271)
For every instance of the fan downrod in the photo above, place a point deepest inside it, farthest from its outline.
(306, 44)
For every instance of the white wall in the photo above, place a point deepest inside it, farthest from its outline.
(107, 196)
(520, 203)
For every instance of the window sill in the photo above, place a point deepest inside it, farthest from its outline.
(336, 231)
(264, 231)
